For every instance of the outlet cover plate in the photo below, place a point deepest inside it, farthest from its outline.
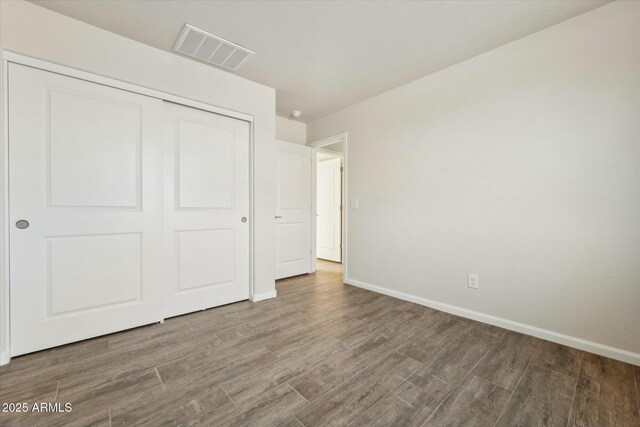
(473, 281)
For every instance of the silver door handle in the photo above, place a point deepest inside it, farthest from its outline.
(278, 217)
(243, 219)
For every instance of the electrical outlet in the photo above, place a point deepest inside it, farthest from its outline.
(472, 281)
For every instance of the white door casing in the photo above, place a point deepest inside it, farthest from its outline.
(85, 171)
(329, 201)
(206, 197)
(293, 209)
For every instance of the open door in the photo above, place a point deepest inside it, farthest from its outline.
(329, 201)
(293, 209)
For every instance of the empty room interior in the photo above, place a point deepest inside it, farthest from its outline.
(320, 213)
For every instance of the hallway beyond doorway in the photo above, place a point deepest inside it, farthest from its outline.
(324, 265)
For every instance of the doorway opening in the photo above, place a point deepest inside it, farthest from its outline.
(329, 225)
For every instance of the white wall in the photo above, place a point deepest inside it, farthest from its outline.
(32, 30)
(291, 130)
(521, 165)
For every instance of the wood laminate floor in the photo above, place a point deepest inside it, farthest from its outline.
(325, 265)
(322, 353)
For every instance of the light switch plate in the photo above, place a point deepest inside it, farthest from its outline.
(354, 204)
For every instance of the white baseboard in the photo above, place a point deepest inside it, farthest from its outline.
(4, 357)
(590, 346)
(263, 296)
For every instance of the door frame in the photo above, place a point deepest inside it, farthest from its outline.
(317, 146)
(12, 57)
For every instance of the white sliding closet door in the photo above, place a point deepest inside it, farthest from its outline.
(123, 209)
(206, 201)
(85, 175)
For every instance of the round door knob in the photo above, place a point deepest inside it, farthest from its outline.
(22, 224)
(244, 219)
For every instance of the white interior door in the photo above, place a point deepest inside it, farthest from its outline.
(85, 172)
(206, 221)
(293, 209)
(329, 201)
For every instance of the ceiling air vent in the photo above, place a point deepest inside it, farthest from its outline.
(212, 49)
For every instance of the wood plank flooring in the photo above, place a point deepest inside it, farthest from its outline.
(322, 353)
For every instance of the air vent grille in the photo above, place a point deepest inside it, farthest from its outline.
(212, 49)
